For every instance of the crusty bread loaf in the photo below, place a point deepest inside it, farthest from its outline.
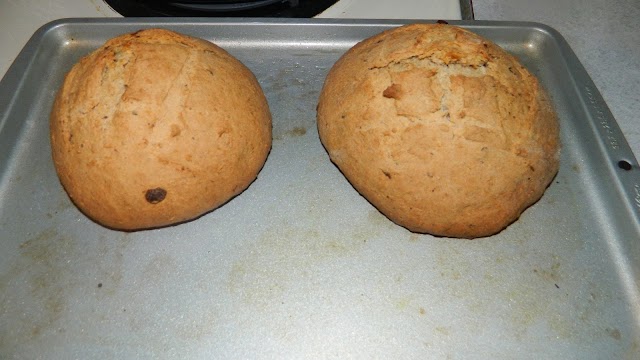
(156, 128)
(440, 129)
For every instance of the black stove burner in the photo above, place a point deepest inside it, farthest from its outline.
(221, 8)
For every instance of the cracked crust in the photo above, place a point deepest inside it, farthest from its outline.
(155, 128)
(440, 129)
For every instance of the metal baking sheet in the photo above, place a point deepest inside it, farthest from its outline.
(300, 265)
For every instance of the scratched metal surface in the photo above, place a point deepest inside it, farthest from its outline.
(300, 265)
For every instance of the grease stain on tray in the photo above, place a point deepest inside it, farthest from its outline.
(109, 263)
(414, 238)
(42, 267)
(187, 321)
(481, 280)
(632, 351)
(614, 333)
(297, 131)
(62, 205)
(444, 330)
(283, 256)
(287, 257)
(159, 266)
(36, 292)
(576, 168)
(551, 273)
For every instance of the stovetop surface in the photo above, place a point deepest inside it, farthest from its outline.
(221, 8)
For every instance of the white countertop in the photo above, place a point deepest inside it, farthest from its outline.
(604, 34)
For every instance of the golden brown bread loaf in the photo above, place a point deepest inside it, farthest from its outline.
(440, 129)
(155, 128)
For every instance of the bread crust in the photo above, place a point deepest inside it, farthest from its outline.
(440, 129)
(156, 128)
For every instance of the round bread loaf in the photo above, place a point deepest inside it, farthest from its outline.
(156, 128)
(440, 129)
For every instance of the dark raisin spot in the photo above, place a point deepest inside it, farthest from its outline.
(297, 131)
(387, 174)
(156, 195)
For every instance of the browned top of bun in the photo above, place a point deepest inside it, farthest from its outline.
(441, 129)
